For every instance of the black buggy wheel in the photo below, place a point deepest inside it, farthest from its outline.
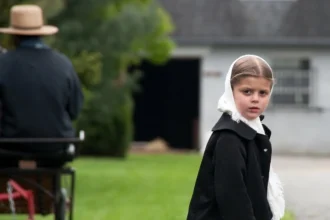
(60, 206)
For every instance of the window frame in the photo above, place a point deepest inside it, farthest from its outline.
(295, 65)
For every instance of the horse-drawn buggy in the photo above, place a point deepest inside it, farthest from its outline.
(31, 188)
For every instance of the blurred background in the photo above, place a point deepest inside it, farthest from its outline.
(152, 73)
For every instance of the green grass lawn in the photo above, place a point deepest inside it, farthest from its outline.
(148, 187)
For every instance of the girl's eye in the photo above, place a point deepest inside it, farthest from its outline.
(263, 93)
(247, 92)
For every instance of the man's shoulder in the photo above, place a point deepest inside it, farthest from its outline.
(61, 57)
(6, 58)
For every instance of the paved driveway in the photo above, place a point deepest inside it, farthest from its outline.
(306, 184)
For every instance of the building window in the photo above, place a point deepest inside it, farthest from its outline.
(292, 82)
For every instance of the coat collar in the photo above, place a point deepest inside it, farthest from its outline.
(226, 123)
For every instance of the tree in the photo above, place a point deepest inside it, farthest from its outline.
(123, 33)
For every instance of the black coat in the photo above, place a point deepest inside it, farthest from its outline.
(233, 176)
(40, 93)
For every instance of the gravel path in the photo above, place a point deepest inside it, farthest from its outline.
(307, 185)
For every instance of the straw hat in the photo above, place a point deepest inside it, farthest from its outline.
(28, 20)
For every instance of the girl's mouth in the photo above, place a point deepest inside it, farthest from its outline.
(254, 109)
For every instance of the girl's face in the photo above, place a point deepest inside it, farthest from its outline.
(251, 95)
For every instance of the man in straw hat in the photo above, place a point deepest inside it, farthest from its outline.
(40, 92)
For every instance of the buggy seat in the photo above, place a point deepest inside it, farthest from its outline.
(66, 153)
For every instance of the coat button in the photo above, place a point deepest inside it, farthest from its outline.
(265, 149)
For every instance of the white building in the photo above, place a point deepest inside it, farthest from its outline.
(291, 35)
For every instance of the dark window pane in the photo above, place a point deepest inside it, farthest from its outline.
(304, 64)
(304, 82)
(305, 99)
(287, 63)
(288, 82)
(293, 82)
(283, 99)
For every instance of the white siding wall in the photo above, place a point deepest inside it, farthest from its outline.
(294, 130)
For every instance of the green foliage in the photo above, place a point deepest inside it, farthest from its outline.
(127, 30)
(88, 65)
(107, 120)
(124, 32)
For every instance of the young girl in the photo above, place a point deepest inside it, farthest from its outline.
(235, 180)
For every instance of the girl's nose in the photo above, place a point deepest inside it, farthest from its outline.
(255, 97)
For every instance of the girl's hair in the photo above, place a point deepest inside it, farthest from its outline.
(250, 66)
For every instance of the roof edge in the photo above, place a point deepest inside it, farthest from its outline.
(287, 41)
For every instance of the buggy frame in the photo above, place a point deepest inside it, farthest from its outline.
(37, 190)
